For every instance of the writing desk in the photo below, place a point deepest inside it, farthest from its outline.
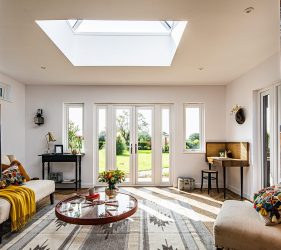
(225, 163)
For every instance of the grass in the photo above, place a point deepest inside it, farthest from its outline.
(123, 161)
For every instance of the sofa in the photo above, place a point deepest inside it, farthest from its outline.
(41, 188)
(238, 226)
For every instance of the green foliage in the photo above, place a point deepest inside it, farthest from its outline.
(102, 136)
(120, 144)
(193, 141)
(74, 141)
(144, 141)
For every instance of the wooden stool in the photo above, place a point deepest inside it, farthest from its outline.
(209, 177)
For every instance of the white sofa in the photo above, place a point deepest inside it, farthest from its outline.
(41, 188)
(238, 226)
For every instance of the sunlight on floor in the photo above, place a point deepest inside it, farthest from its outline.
(184, 211)
(195, 203)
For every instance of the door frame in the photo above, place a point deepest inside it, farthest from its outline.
(110, 144)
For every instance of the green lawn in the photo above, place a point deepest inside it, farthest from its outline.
(144, 160)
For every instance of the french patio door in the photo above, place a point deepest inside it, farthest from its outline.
(127, 141)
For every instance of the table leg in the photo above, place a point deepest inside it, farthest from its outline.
(76, 179)
(43, 170)
(224, 182)
(80, 172)
(241, 175)
(48, 170)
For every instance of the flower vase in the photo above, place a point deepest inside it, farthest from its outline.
(111, 192)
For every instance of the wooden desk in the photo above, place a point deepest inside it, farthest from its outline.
(63, 158)
(229, 162)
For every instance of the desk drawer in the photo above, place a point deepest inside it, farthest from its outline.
(60, 158)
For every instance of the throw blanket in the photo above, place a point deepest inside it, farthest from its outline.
(23, 205)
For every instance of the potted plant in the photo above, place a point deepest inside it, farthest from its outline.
(112, 177)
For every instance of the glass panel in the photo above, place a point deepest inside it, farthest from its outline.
(268, 178)
(123, 140)
(192, 128)
(165, 144)
(133, 27)
(144, 152)
(102, 139)
(75, 124)
(279, 129)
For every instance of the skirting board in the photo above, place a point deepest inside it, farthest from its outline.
(237, 191)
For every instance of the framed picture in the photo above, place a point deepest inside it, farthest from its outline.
(58, 149)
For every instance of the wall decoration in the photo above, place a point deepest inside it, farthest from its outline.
(239, 113)
(39, 119)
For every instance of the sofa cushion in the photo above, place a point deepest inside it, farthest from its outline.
(41, 188)
(238, 226)
(5, 160)
(13, 176)
(21, 169)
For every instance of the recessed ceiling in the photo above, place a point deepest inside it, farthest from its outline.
(221, 39)
(115, 43)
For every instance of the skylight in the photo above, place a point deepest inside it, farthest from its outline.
(106, 27)
(115, 43)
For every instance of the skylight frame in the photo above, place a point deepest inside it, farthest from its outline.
(168, 25)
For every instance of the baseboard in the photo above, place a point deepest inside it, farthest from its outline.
(237, 191)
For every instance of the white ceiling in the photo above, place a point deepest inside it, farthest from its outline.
(220, 37)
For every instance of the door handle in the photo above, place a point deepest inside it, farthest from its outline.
(136, 148)
(131, 148)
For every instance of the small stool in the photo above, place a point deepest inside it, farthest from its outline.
(209, 177)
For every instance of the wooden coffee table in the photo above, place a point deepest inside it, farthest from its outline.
(77, 210)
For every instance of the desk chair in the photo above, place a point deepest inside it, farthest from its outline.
(209, 177)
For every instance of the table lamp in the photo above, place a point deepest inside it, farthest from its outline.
(49, 138)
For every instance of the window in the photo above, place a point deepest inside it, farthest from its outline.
(166, 138)
(102, 138)
(73, 124)
(194, 127)
(109, 27)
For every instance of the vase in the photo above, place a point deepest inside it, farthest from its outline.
(74, 151)
(111, 193)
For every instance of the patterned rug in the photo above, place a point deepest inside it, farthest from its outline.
(165, 220)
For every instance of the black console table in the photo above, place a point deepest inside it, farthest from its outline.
(63, 158)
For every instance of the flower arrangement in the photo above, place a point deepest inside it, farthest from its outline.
(112, 177)
(235, 109)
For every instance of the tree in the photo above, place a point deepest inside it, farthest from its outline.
(72, 134)
(102, 136)
(193, 141)
(120, 144)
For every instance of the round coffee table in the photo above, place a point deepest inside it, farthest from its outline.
(77, 210)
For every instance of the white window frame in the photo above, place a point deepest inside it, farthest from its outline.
(66, 107)
(201, 107)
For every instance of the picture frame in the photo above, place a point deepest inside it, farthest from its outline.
(58, 149)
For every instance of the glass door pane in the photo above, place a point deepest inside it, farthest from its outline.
(279, 132)
(165, 114)
(123, 140)
(143, 148)
(102, 139)
(266, 133)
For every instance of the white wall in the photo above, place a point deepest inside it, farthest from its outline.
(242, 91)
(13, 119)
(51, 99)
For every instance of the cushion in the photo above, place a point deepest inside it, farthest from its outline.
(11, 158)
(13, 176)
(5, 160)
(21, 169)
(267, 203)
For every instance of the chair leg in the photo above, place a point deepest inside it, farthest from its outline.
(217, 181)
(202, 180)
(52, 198)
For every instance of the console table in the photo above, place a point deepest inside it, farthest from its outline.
(48, 158)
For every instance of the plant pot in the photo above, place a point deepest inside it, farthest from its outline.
(111, 193)
(74, 151)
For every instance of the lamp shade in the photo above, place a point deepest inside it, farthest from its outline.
(50, 137)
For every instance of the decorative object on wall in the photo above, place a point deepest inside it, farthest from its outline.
(39, 119)
(49, 138)
(238, 111)
(58, 149)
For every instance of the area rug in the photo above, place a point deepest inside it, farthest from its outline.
(162, 221)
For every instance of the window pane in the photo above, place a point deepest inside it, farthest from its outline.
(192, 129)
(102, 139)
(165, 145)
(75, 125)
